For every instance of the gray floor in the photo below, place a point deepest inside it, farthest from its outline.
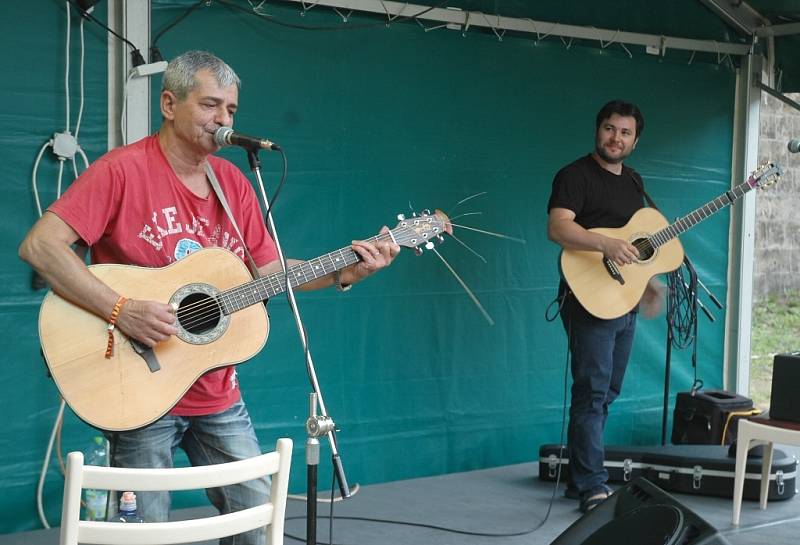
(500, 501)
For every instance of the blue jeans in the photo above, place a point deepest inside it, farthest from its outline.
(211, 439)
(600, 350)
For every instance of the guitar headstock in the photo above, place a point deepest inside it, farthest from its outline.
(422, 229)
(765, 175)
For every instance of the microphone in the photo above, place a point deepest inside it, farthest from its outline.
(794, 145)
(225, 136)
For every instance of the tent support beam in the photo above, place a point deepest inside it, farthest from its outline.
(741, 244)
(738, 15)
(463, 20)
(780, 96)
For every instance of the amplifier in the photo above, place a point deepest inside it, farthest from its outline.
(784, 400)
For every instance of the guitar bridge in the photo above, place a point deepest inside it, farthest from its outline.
(613, 271)
(147, 354)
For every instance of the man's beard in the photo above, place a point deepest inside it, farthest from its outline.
(601, 152)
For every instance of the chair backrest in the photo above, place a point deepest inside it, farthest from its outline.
(270, 515)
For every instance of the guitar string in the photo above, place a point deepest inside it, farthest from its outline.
(210, 308)
(274, 281)
(240, 297)
(669, 232)
(197, 313)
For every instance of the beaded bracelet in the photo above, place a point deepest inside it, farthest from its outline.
(112, 321)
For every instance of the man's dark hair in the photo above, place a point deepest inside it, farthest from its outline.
(624, 109)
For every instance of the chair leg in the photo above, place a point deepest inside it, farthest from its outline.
(766, 465)
(742, 446)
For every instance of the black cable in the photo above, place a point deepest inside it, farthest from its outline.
(280, 184)
(331, 518)
(88, 15)
(682, 307)
(136, 55)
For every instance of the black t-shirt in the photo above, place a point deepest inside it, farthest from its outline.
(598, 197)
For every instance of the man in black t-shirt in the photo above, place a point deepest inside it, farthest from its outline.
(597, 190)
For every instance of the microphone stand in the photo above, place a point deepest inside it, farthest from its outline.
(316, 426)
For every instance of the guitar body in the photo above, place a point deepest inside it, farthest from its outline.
(123, 392)
(601, 294)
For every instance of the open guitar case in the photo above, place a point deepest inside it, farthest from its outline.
(706, 470)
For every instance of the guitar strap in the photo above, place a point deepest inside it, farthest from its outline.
(640, 187)
(221, 196)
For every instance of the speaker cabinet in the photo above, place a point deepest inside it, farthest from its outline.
(784, 401)
(643, 514)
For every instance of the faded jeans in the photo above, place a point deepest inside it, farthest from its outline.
(211, 439)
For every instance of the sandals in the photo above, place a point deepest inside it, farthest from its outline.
(592, 500)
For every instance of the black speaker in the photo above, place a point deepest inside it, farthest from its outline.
(643, 514)
(784, 401)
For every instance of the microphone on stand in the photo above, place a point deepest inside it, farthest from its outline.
(794, 145)
(226, 136)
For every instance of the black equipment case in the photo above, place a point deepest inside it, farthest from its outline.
(705, 470)
(708, 417)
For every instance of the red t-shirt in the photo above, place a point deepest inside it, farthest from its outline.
(131, 208)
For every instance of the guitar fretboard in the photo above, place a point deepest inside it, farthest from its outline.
(268, 286)
(693, 218)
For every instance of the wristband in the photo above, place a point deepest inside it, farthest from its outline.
(112, 322)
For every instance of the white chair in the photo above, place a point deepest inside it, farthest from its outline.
(759, 431)
(269, 515)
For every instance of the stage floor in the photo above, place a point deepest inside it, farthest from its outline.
(503, 503)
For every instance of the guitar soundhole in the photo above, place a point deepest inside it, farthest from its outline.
(198, 313)
(646, 250)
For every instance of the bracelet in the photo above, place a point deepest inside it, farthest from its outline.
(337, 281)
(112, 322)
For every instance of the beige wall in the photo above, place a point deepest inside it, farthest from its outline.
(777, 243)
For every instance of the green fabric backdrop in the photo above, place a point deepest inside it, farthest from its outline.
(375, 121)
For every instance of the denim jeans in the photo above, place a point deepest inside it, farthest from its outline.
(600, 350)
(211, 439)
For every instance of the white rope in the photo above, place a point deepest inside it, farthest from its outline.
(494, 27)
(429, 28)
(609, 42)
(389, 15)
(307, 6)
(344, 17)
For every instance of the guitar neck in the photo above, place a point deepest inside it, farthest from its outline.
(691, 219)
(268, 286)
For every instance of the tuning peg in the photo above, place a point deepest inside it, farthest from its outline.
(401, 217)
(426, 212)
(413, 214)
(418, 250)
(440, 238)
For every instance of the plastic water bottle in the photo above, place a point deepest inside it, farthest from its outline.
(127, 509)
(95, 500)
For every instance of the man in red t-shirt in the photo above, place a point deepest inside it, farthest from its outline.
(150, 204)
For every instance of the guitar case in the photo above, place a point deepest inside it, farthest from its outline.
(705, 470)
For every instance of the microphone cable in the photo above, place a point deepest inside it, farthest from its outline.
(682, 309)
(561, 301)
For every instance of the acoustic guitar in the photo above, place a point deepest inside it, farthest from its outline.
(219, 319)
(607, 290)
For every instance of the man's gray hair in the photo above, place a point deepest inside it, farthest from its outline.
(179, 77)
